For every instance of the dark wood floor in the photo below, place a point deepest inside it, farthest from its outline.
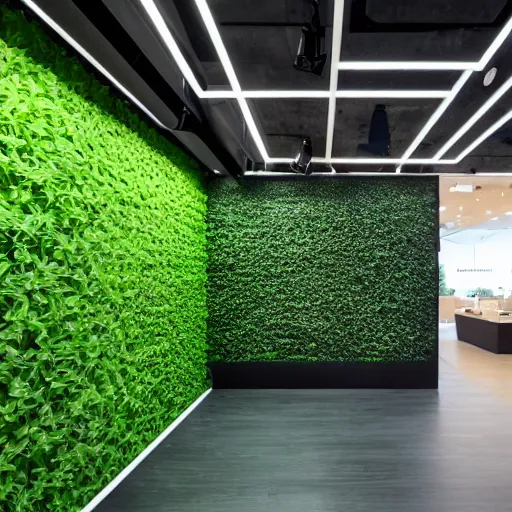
(332, 451)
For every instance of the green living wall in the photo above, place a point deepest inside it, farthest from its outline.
(102, 278)
(338, 270)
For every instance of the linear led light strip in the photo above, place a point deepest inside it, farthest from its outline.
(419, 161)
(187, 72)
(475, 117)
(342, 93)
(240, 95)
(411, 161)
(213, 31)
(441, 109)
(366, 161)
(82, 51)
(378, 161)
(482, 63)
(373, 173)
(356, 65)
(337, 32)
(496, 126)
(163, 30)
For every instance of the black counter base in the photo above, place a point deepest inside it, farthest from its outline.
(291, 375)
(492, 336)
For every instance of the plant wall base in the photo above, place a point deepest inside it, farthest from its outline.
(291, 375)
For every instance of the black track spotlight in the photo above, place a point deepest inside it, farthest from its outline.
(379, 138)
(302, 162)
(311, 55)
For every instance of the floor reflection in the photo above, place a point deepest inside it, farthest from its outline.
(492, 371)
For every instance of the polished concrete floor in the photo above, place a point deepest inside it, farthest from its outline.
(341, 450)
(491, 372)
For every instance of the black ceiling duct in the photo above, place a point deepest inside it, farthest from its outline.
(302, 162)
(379, 138)
(311, 56)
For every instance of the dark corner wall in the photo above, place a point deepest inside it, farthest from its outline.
(338, 270)
(102, 278)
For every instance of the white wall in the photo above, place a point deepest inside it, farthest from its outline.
(496, 256)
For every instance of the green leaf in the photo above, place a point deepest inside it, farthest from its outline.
(102, 277)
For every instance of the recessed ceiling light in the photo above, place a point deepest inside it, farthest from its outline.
(495, 218)
(488, 212)
(477, 199)
(458, 216)
(461, 208)
(490, 76)
(443, 208)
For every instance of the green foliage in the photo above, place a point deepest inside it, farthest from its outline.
(341, 270)
(443, 289)
(102, 278)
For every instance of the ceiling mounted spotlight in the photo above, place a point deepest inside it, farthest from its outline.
(379, 137)
(311, 55)
(302, 162)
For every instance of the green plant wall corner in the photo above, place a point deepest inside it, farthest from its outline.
(337, 270)
(102, 278)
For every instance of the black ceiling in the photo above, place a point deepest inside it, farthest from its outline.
(262, 38)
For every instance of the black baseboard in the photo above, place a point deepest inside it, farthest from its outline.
(291, 375)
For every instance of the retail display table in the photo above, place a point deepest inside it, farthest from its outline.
(488, 334)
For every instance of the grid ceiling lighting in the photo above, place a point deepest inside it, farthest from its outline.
(237, 93)
(482, 63)
(448, 96)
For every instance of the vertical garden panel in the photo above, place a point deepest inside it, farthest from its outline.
(323, 283)
(102, 278)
